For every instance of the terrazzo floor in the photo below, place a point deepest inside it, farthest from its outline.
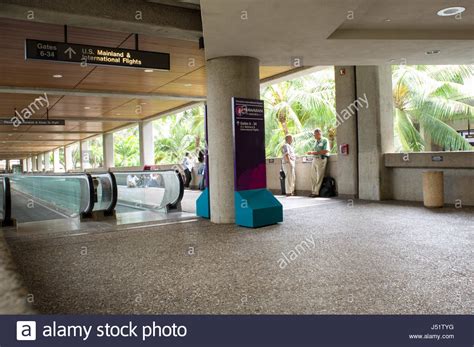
(328, 257)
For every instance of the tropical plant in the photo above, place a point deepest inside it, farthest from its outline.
(427, 100)
(297, 107)
(177, 134)
(127, 148)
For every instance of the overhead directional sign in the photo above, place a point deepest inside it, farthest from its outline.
(13, 121)
(95, 55)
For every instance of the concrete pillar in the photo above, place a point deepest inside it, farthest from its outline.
(34, 163)
(85, 155)
(56, 161)
(147, 146)
(226, 77)
(375, 130)
(108, 148)
(29, 164)
(47, 162)
(68, 158)
(7, 165)
(347, 165)
(40, 162)
(24, 165)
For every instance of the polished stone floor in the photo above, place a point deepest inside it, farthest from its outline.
(328, 257)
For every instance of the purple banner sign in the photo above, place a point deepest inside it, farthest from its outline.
(249, 144)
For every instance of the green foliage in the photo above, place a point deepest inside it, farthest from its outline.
(177, 134)
(297, 107)
(427, 100)
(127, 147)
(96, 158)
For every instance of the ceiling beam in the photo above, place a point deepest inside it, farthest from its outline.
(97, 93)
(131, 16)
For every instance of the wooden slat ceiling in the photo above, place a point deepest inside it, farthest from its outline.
(186, 77)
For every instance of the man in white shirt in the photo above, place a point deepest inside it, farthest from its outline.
(289, 162)
(188, 169)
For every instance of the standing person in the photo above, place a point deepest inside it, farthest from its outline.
(188, 169)
(201, 170)
(289, 161)
(321, 155)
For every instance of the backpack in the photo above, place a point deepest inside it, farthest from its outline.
(328, 188)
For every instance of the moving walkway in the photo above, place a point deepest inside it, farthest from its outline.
(36, 197)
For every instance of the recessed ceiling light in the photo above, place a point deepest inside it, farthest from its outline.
(143, 103)
(58, 76)
(117, 114)
(87, 108)
(388, 20)
(451, 11)
(188, 85)
(149, 70)
(434, 51)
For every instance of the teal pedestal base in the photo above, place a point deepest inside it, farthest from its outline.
(257, 208)
(202, 205)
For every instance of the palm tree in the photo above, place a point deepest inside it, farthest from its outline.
(427, 99)
(298, 107)
(127, 147)
(178, 134)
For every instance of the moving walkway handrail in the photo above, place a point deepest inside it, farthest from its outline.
(109, 211)
(90, 207)
(113, 204)
(7, 203)
(172, 205)
(87, 211)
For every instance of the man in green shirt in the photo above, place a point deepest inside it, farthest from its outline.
(320, 158)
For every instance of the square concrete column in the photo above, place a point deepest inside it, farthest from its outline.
(346, 132)
(108, 148)
(147, 146)
(56, 161)
(47, 162)
(40, 162)
(227, 77)
(7, 165)
(29, 162)
(24, 165)
(35, 163)
(68, 158)
(375, 130)
(85, 155)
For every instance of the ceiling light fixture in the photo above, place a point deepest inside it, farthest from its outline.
(87, 108)
(188, 85)
(388, 20)
(434, 51)
(451, 11)
(149, 70)
(58, 76)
